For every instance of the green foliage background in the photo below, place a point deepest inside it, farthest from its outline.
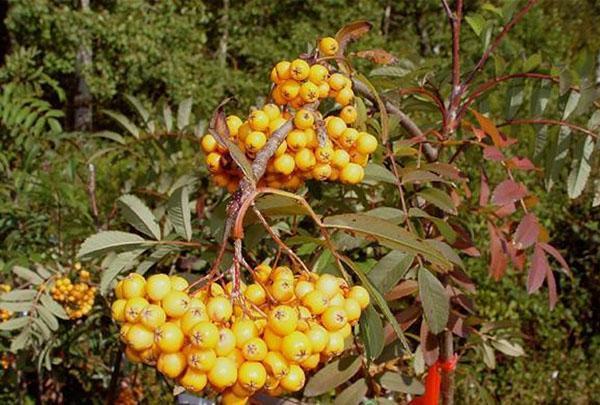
(170, 50)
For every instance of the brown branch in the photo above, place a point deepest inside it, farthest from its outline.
(551, 122)
(408, 124)
(447, 353)
(490, 49)
(455, 22)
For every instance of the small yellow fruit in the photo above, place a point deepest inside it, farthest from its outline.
(337, 299)
(171, 364)
(328, 285)
(139, 337)
(254, 349)
(134, 307)
(282, 70)
(328, 46)
(201, 359)
(335, 127)
(309, 92)
(169, 338)
(279, 152)
(304, 119)
(353, 173)
(361, 296)
(150, 356)
(256, 294)
(175, 303)
(299, 69)
(275, 123)
(153, 316)
(258, 120)
(335, 346)
(178, 283)
(366, 143)
(311, 362)
(296, 139)
(224, 373)
(252, 375)
(272, 111)
(117, 310)
(243, 330)
(337, 81)
(219, 309)
(334, 318)
(132, 355)
(233, 124)
(282, 320)
(272, 340)
(276, 364)
(118, 290)
(208, 143)
(231, 398)
(193, 380)
(289, 89)
(315, 301)
(296, 347)
(352, 308)
(285, 164)
(134, 286)
(348, 137)
(302, 288)
(318, 337)
(282, 272)
(262, 272)
(305, 159)
(204, 335)
(324, 89)
(294, 380)
(345, 331)
(243, 131)
(349, 114)
(237, 356)
(158, 285)
(282, 289)
(213, 162)
(344, 96)
(193, 316)
(123, 332)
(318, 74)
(255, 141)
(226, 343)
(340, 159)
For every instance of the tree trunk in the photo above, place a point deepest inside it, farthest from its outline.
(83, 98)
(447, 353)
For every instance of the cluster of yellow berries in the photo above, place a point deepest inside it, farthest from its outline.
(5, 314)
(341, 155)
(76, 298)
(280, 327)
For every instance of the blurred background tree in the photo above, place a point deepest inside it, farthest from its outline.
(208, 50)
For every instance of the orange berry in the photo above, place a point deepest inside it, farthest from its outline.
(169, 338)
(139, 337)
(282, 320)
(352, 174)
(219, 309)
(304, 119)
(171, 364)
(318, 74)
(299, 69)
(224, 373)
(294, 380)
(328, 46)
(175, 303)
(335, 127)
(254, 349)
(296, 347)
(349, 114)
(204, 335)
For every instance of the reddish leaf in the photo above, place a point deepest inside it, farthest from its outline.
(508, 192)
(457, 326)
(405, 318)
(351, 32)
(378, 56)
(479, 133)
(484, 191)
(429, 344)
(490, 128)
(405, 288)
(552, 294)
(493, 153)
(498, 257)
(445, 170)
(462, 279)
(505, 210)
(556, 254)
(471, 251)
(520, 163)
(539, 269)
(527, 232)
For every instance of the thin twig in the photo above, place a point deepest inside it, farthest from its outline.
(91, 188)
(490, 49)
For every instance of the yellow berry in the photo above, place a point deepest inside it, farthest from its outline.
(255, 141)
(140, 337)
(153, 316)
(302, 288)
(158, 286)
(233, 124)
(324, 89)
(294, 380)
(361, 296)
(321, 172)
(213, 162)
(134, 307)
(175, 303)
(258, 120)
(256, 294)
(334, 318)
(349, 114)
(226, 343)
(243, 330)
(335, 127)
(299, 69)
(318, 74)
(219, 309)
(224, 373)
(118, 310)
(193, 316)
(134, 286)
(328, 46)
(304, 119)
(366, 143)
(254, 349)
(169, 338)
(337, 81)
(231, 398)
(204, 335)
(282, 320)
(335, 346)
(352, 174)
(178, 283)
(281, 149)
(284, 164)
(309, 92)
(282, 290)
(296, 139)
(193, 380)
(315, 301)
(311, 362)
(272, 339)
(201, 359)
(275, 123)
(171, 364)
(262, 272)
(305, 159)
(296, 347)
(289, 89)
(318, 337)
(276, 364)
(282, 70)
(344, 96)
